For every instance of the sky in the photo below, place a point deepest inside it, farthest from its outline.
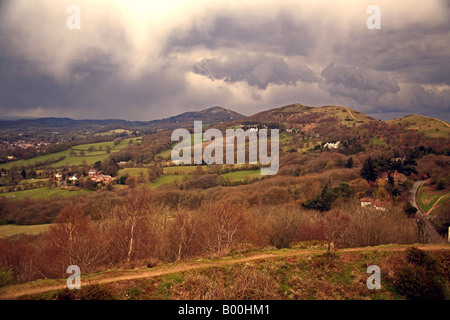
(144, 60)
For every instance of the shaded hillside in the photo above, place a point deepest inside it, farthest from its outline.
(210, 115)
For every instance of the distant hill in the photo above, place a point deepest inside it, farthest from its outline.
(302, 114)
(210, 115)
(63, 122)
(431, 127)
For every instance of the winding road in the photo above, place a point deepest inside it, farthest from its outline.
(412, 193)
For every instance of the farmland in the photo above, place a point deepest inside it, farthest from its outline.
(77, 155)
(428, 197)
(42, 193)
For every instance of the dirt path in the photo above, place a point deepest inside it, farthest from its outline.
(436, 203)
(35, 287)
(350, 113)
(445, 123)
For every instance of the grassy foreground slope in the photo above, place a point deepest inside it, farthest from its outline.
(303, 272)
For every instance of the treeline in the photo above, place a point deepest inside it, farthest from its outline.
(139, 230)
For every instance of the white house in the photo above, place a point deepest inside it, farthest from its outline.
(331, 145)
(370, 203)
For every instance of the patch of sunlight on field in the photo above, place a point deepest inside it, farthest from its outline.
(42, 193)
(13, 229)
(166, 179)
(240, 175)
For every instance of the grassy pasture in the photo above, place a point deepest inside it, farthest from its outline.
(427, 197)
(166, 179)
(42, 193)
(240, 175)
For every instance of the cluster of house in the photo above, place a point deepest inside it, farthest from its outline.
(398, 177)
(94, 175)
(97, 176)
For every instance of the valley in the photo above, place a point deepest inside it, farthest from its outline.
(343, 183)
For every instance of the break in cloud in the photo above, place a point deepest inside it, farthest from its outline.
(142, 60)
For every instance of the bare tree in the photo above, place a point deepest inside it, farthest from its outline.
(221, 227)
(73, 241)
(335, 224)
(135, 210)
(181, 236)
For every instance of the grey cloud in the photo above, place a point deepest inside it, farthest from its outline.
(95, 88)
(417, 53)
(305, 54)
(342, 79)
(375, 92)
(282, 34)
(257, 70)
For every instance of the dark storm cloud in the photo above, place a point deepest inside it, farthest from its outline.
(235, 54)
(94, 87)
(421, 53)
(257, 70)
(357, 78)
(282, 34)
(374, 92)
(364, 86)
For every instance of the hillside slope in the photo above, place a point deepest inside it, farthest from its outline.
(302, 114)
(431, 127)
(306, 273)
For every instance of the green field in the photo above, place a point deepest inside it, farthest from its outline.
(90, 157)
(427, 199)
(42, 193)
(166, 179)
(240, 175)
(179, 169)
(133, 172)
(12, 229)
(27, 181)
(379, 142)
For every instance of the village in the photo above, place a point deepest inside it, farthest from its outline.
(93, 174)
